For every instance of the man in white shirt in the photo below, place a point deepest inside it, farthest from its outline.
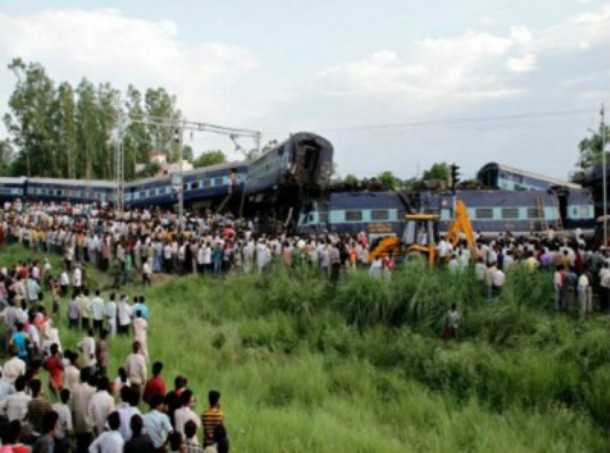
(498, 278)
(157, 423)
(97, 311)
(111, 314)
(77, 278)
(109, 441)
(101, 405)
(16, 405)
(13, 368)
(87, 345)
(124, 315)
(64, 282)
(127, 409)
(135, 366)
(185, 413)
(140, 327)
(444, 250)
(584, 295)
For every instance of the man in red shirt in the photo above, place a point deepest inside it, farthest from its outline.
(155, 385)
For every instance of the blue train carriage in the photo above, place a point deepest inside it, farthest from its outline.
(378, 214)
(304, 160)
(577, 210)
(498, 211)
(71, 190)
(12, 188)
(201, 186)
(505, 177)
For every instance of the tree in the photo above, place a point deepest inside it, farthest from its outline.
(137, 142)
(187, 153)
(590, 149)
(65, 122)
(438, 171)
(88, 131)
(6, 157)
(159, 105)
(388, 180)
(28, 122)
(351, 181)
(208, 158)
(150, 169)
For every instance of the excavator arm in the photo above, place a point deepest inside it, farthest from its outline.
(461, 224)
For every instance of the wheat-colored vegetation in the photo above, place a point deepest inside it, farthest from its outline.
(307, 368)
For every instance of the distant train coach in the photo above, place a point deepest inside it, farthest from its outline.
(504, 177)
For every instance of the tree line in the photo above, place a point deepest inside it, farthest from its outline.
(64, 131)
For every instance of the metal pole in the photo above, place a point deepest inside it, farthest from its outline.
(181, 190)
(604, 175)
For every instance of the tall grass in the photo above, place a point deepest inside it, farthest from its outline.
(304, 367)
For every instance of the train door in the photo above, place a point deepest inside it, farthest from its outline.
(562, 204)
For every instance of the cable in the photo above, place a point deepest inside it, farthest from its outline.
(455, 121)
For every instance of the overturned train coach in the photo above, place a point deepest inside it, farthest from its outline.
(285, 175)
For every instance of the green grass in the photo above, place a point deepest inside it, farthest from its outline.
(304, 367)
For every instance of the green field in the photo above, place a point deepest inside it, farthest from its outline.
(305, 368)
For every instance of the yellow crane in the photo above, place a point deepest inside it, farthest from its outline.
(421, 235)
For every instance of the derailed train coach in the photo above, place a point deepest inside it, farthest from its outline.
(284, 176)
(519, 212)
(491, 211)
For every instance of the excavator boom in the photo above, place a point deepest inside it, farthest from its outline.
(461, 223)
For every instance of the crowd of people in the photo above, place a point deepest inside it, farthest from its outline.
(92, 412)
(81, 409)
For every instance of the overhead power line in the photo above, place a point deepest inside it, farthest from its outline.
(459, 121)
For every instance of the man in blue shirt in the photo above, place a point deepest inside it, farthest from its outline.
(20, 340)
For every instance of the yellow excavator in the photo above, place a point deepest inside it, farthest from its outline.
(420, 235)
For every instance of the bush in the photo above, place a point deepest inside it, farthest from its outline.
(365, 301)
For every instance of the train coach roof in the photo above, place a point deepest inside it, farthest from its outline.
(194, 171)
(528, 174)
(492, 198)
(73, 182)
(366, 200)
(12, 180)
(297, 137)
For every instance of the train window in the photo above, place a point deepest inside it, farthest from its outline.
(162, 190)
(484, 213)
(195, 185)
(510, 213)
(533, 213)
(205, 183)
(185, 187)
(323, 216)
(353, 216)
(142, 194)
(218, 181)
(58, 192)
(380, 214)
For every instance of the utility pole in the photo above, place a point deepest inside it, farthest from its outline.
(119, 163)
(602, 127)
(179, 132)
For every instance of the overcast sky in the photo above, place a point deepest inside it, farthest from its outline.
(439, 80)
